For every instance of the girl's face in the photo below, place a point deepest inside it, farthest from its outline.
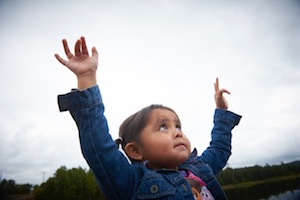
(163, 144)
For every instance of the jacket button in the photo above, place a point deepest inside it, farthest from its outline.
(154, 189)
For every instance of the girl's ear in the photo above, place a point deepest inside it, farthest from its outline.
(133, 151)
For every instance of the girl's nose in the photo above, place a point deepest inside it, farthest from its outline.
(178, 133)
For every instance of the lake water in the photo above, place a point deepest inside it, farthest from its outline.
(291, 195)
(287, 190)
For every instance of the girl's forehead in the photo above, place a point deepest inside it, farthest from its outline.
(162, 114)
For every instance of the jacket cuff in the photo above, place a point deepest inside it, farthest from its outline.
(227, 117)
(79, 99)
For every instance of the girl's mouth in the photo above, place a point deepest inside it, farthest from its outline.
(180, 145)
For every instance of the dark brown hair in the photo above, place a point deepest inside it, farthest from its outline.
(131, 128)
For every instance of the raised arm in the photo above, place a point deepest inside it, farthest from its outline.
(219, 150)
(111, 168)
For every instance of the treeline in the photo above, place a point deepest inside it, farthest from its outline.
(69, 184)
(11, 187)
(257, 173)
(66, 184)
(78, 183)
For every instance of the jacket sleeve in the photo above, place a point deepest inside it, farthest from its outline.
(219, 150)
(110, 166)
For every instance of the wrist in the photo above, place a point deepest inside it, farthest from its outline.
(85, 81)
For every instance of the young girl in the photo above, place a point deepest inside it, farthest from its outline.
(162, 165)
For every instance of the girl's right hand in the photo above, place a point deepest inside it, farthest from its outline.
(81, 64)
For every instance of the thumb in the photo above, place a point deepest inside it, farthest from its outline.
(60, 59)
(224, 91)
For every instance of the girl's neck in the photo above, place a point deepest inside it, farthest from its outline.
(148, 165)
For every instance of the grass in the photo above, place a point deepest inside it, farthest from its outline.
(20, 197)
(254, 183)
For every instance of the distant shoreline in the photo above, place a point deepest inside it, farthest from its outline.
(249, 184)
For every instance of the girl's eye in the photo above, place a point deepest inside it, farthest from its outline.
(178, 127)
(163, 127)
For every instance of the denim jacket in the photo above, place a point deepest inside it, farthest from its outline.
(119, 179)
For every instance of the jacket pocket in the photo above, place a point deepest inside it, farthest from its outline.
(155, 186)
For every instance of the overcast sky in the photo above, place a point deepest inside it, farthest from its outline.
(150, 51)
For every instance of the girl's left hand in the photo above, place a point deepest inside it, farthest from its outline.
(220, 100)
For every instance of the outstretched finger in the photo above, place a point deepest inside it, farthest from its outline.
(216, 84)
(94, 52)
(84, 47)
(66, 48)
(60, 59)
(78, 48)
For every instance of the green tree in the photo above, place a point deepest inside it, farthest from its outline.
(8, 187)
(256, 173)
(75, 184)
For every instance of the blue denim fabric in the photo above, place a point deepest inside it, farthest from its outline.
(119, 179)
